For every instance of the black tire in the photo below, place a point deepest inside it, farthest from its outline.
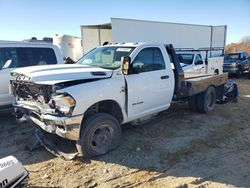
(206, 100)
(239, 72)
(100, 134)
(216, 71)
(193, 103)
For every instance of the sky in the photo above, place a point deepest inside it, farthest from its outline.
(23, 19)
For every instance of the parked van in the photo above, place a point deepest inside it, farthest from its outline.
(23, 54)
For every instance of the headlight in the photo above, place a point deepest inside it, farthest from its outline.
(64, 103)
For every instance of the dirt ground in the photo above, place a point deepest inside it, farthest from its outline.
(179, 148)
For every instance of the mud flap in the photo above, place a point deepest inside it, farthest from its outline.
(52, 148)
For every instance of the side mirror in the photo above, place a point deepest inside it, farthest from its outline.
(126, 65)
(199, 62)
(68, 60)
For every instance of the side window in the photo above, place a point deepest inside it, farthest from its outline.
(242, 56)
(149, 59)
(46, 56)
(198, 60)
(8, 58)
(185, 58)
(36, 56)
(245, 55)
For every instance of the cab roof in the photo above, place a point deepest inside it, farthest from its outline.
(133, 44)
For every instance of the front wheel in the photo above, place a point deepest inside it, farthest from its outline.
(100, 134)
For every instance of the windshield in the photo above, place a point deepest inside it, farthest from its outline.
(232, 56)
(185, 58)
(106, 57)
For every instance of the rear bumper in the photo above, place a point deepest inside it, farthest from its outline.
(65, 127)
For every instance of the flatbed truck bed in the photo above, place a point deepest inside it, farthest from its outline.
(199, 83)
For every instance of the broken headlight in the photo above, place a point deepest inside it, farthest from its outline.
(63, 103)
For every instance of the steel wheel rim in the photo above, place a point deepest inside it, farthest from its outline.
(101, 138)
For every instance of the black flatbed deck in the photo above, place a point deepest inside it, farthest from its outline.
(193, 84)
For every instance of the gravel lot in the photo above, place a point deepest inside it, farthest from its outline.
(179, 148)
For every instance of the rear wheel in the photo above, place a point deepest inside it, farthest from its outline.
(100, 134)
(206, 100)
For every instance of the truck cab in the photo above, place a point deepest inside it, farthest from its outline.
(192, 62)
(236, 63)
(197, 62)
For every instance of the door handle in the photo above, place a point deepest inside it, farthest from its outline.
(165, 77)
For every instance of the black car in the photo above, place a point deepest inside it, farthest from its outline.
(236, 63)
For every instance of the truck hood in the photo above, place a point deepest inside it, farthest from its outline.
(53, 74)
(185, 67)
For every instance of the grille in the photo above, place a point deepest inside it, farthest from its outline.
(28, 91)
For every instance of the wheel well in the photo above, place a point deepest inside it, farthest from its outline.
(108, 106)
(216, 71)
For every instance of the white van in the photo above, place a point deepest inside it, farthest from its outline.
(22, 54)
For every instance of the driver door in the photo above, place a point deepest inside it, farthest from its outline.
(151, 85)
(199, 66)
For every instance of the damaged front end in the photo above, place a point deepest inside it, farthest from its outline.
(48, 108)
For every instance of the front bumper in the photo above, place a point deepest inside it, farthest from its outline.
(231, 70)
(65, 127)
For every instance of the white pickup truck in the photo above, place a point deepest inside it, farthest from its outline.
(111, 85)
(193, 61)
(16, 54)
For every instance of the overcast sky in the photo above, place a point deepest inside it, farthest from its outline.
(22, 19)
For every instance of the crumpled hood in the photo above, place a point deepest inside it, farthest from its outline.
(53, 74)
